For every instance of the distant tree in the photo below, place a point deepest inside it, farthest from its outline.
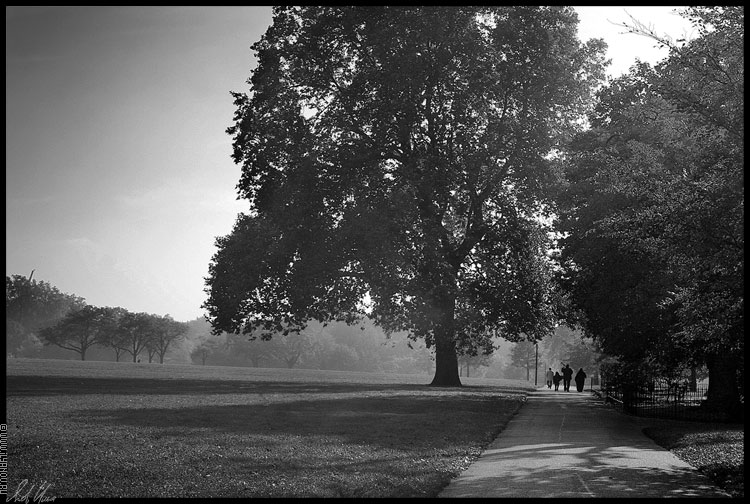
(31, 305)
(112, 334)
(253, 350)
(150, 352)
(119, 350)
(585, 354)
(201, 352)
(330, 354)
(523, 355)
(467, 361)
(19, 342)
(287, 349)
(403, 152)
(291, 347)
(78, 330)
(407, 356)
(204, 350)
(165, 332)
(365, 339)
(469, 354)
(222, 351)
(569, 346)
(134, 333)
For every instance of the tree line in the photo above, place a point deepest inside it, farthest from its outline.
(45, 318)
(335, 346)
(37, 313)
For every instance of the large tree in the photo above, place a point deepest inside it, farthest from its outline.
(403, 153)
(666, 150)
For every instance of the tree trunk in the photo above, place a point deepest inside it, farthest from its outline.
(83, 354)
(446, 360)
(723, 394)
(446, 364)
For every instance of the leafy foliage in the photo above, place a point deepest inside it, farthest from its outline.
(134, 333)
(79, 330)
(165, 331)
(655, 209)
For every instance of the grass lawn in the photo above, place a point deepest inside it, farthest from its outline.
(103, 429)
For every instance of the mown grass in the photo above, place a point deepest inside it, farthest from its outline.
(102, 429)
(92, 429)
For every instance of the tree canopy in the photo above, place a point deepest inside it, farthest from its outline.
(78, 330)
(397, 162)
(655, 208)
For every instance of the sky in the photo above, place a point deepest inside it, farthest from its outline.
(118, 168)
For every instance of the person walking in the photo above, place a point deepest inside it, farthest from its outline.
(580, 380)
(556, 380)
(550, 375)
(567, 375)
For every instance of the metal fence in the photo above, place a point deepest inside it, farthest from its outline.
(677, 402)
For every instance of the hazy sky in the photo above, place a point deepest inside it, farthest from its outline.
(117, 166)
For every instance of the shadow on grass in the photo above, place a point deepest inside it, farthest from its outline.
(29, 386)
(383, 420)
(24, 386)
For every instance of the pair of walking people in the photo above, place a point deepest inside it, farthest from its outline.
(553, 378)
(566, 377)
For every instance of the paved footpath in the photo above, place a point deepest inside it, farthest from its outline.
(570, 444)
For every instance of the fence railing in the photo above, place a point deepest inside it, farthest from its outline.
(677, 402)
